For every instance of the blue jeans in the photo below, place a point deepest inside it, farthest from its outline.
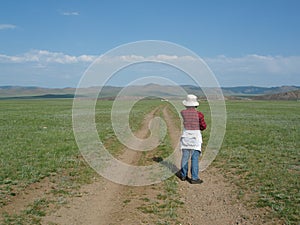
(195, 154)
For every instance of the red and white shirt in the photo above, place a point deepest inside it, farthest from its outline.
(193, 119)
(193, 122)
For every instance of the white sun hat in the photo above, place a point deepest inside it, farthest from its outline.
(191, 100)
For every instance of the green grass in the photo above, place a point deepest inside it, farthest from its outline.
(31, 215)
(165, 205)
(36, 140)
(261, 154)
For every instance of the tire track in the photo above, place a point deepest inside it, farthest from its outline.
(102, 201)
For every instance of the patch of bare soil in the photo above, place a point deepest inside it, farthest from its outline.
(216, 201)
(20, 201)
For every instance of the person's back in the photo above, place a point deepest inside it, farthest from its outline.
(191, 138)
(192, 119)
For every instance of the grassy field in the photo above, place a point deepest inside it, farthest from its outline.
(260, 152)
(36, 140)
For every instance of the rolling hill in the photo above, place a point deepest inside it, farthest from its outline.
(253, 92)
(291, 95)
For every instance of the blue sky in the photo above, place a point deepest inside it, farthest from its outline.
(244, 42)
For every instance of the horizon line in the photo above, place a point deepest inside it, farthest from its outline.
(120, 86)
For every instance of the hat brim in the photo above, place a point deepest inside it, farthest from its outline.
(188, 103)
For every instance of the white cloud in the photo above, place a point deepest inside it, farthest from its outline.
(72, 13)
(256, 70)
(46, 57)
(134, 58)
(7, 26)
(166, 57)
(255, 64)
(127, 58)
(250, 64)
(86, 58)
(172, 58)
(250, 69)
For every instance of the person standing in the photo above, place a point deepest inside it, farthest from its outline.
(191, 139)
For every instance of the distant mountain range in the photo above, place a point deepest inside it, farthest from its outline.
(291, 95)
(290, 92)
(252, 90)
(249, 91)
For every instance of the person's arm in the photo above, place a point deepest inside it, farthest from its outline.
(201, 121)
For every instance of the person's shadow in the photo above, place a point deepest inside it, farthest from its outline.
(173, 168)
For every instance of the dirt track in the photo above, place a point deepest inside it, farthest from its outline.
(103, 202)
